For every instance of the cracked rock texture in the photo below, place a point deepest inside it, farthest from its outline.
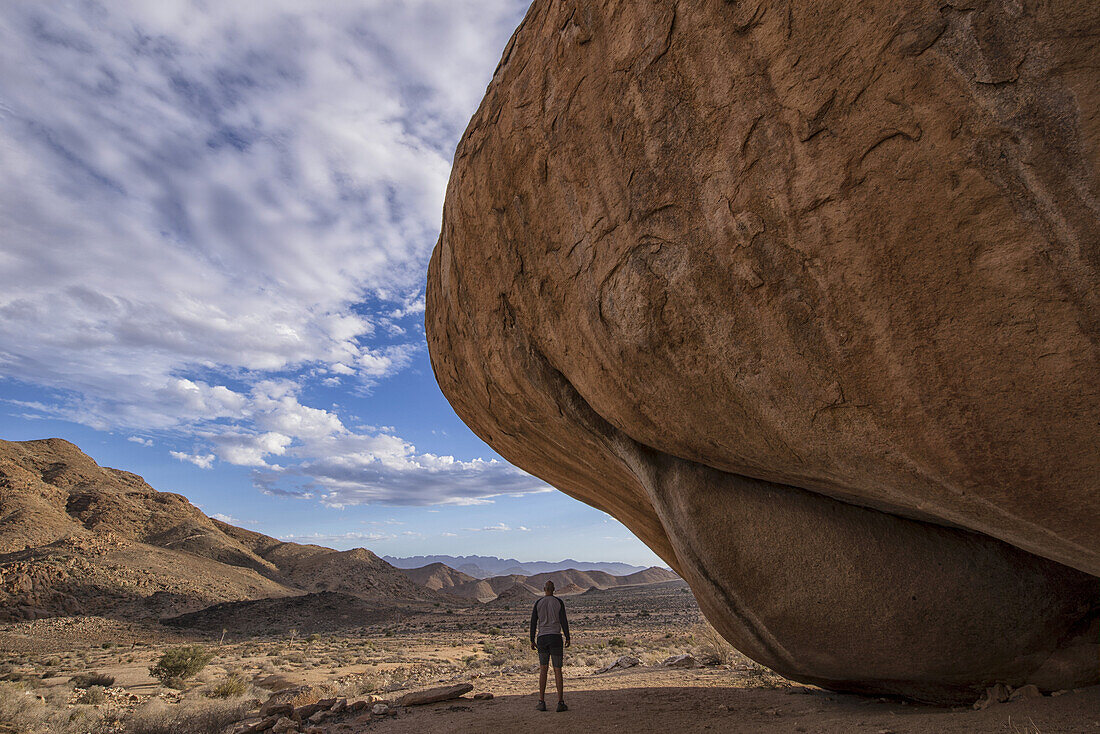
(805, 294)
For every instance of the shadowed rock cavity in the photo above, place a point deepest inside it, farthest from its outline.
(808, 299)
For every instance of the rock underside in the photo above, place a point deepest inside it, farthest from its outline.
(805, 295)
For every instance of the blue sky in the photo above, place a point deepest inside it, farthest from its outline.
(214, 225)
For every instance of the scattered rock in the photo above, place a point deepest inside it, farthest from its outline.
(680, 661)
(432, 695)
(339, 706)
(994, 694)
(357, 705)
(483, 696)
(276, 708)
(380, 709)
(261, 725)
(284, 726)
(304, 712)
(626, 661)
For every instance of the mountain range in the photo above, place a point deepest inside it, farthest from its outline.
(520, 587)
(482, 567)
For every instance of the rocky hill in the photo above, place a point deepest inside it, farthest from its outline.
(77, 538)
(438, 576)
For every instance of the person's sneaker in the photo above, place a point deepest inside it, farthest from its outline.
(562, 706)
(540, 706)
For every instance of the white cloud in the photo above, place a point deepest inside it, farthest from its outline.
(498, 528)
(249, 449)
(219, 187)
(336, 538)
(229, 519)
(203, 461)
(140, 440)
(201, 199)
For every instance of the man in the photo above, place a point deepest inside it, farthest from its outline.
(548, 617)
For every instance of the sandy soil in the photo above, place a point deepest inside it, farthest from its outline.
(647, 700)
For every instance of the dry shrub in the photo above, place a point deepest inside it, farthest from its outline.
(179, 663)
(186, 717)
(233, 686)
(711, 647)
(94, 696)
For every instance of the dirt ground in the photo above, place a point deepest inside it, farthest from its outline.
(643, 700)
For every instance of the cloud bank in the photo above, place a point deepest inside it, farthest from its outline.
(207, 206)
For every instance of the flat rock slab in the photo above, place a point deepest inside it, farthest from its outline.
(433, 695)
(626, 661)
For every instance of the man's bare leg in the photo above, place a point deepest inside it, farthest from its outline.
(558, 682)
(542, 681)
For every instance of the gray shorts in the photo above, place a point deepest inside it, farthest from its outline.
(550, 648)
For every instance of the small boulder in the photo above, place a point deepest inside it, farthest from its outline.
(261, 725)
(483, 696)
(1028, 691)
(433, 695)
(284, 726)
(357, 706)
(994, 694)
(380, 709)
(304, 712)
(339, 706)
(276, 708)
(680, 661)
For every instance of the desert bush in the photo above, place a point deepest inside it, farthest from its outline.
(87, 680)
(233, 686)
(180, 663)
(186, 717)
(93, 696)
(616, 642)
(711, 646)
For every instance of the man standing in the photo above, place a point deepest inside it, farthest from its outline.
(548, 618)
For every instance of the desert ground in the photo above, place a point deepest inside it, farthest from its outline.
(483, 645)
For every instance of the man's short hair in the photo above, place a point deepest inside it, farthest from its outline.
(548, 586)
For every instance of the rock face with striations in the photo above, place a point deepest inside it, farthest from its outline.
(807, 296)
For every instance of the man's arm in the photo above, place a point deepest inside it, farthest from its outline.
(564, 622)
(534, 622)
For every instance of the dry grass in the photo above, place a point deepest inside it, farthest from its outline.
(711, 646)
(186, 717)
(24, 711)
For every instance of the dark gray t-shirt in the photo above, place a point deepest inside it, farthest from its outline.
(548, 617)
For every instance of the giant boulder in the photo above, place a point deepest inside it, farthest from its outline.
(806, 294)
